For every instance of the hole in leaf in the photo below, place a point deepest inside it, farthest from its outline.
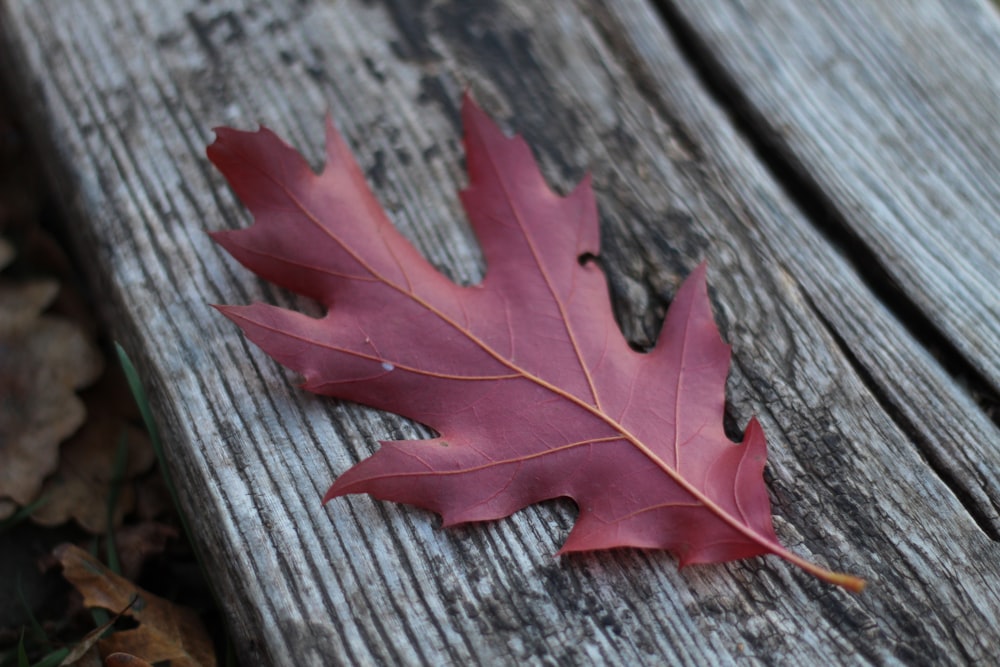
(588, 257)
(730, 425)
(639, 347)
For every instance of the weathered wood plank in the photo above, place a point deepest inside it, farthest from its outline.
(887, 113)
(126, 92)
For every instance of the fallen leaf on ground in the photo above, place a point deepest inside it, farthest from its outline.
(125, 660)
(85, 651)
(7, 508)
(44, 359)
(532, 387)
(40, 252)
(82, 484)
(165, 632)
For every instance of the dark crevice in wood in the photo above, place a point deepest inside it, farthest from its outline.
(799, 185)
(932, 457)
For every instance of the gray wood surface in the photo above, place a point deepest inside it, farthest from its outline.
(882, 463)
(887, 114)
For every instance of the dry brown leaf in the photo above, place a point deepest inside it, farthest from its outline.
(41, 253)
(21, 304)
(7, 507)
(43, 360)
(166, 631)
(125, 660)
(81, 487)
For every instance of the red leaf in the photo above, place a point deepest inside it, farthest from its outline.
(526, 377)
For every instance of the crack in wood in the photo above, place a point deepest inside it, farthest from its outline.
(801, 188)
(961, 487)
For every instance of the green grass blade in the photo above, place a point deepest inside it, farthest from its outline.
(132, 376)
(22, 653)
(36, 628)
(117, 481)
(53, 659)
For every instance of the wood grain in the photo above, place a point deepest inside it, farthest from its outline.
(885, 115)
(880, 461)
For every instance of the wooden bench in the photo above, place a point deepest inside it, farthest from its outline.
(838, 166)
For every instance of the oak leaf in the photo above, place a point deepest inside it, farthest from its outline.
(125, 660)
(88, 472)
(165, 631)
(44, 359)
(526, 377)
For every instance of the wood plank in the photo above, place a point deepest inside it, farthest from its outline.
(126, 92)
(886, 116)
